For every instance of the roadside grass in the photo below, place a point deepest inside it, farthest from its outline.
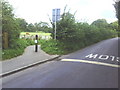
(53, 47)
(16, 49)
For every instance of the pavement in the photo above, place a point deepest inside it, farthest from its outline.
(28, 59)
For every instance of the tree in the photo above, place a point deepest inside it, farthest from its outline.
(104, 29)
(30, 28)
(9, 24)
(42, 26)
(100, 23)
(66, 28)
(22, 23)
(114, 25)
(117, 8)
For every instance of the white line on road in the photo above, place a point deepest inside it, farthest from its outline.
(91, 62)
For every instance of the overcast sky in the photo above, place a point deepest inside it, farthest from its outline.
(87, 10)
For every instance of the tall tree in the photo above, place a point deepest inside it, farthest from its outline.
(100, 23)
(114, 25)
(31, 28)
(66, 27)
(22, 23)
(9, 25)
(117, 8)
(42, 26)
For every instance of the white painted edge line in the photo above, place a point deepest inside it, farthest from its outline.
(91, 62)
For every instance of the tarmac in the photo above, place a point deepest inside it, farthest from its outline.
(28, 59)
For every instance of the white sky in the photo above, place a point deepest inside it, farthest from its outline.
(87, 10)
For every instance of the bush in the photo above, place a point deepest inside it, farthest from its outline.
(16, 49)
(41, 41)
(52, 47)
(60, 48)
(30, 42)
(10, 53)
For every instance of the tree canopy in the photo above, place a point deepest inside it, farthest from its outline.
(117, 8)
(70, 31)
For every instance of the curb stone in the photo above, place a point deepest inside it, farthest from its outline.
(28, 66)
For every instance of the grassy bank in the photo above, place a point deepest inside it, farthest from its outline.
(16, 49)
(53, 47)
(56, 47)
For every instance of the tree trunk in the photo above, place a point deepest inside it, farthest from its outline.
(5, 40)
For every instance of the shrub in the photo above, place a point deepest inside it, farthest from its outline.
(52, 47)
(10, 53)
(16, 49)
(60, 48)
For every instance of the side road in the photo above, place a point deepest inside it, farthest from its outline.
(29, 58)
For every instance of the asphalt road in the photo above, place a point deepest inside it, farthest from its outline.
(96, 66)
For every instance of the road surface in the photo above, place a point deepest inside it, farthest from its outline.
(96, 66)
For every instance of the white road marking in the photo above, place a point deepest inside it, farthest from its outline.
(91, 62)
(103, 57)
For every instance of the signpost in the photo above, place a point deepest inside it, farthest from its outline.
(55, 18)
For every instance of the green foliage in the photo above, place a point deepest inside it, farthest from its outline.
(42, 26)
(22, 24)
(72, 35)
(100, 23)
(10, 53)
(52, 47)
(69, 31)
(9, 24)
(117, 8)
(30, 28)
(66, 28)
(60, 48)
(13, 26)
(41, 41)
(16, 49)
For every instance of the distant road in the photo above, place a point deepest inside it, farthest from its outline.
(96, 66)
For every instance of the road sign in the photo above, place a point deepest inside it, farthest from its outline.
(55, 18)
(55, 15)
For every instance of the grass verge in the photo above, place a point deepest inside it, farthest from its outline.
(53, 47)
(16, 49)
